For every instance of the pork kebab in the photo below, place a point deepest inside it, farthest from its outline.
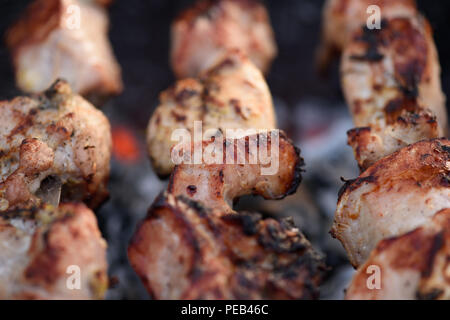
(54, 146)
(395, 214)
(193, 245)
(65, 39)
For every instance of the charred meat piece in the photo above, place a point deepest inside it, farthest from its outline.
(240, 170)
(415, 265)
(185, 251)
(55, 138)
(193, 245)
(202, 33)
(64, 39)
(391, 81)
(43, 249)
(341, 18)
(392, 197)
(231, 95)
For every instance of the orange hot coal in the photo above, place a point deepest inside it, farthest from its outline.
(125, 145)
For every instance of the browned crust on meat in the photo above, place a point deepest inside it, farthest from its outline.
(370, 143)
(424, 162)
(401, 53)
(418, 173)
(391, 82)
(236, 256)
(359, 139)
(409, 51)
(341, 18)
(226, 182)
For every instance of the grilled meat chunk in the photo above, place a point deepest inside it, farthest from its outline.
(184, 251)
(193, 245)
(54, 138)
(64, 39)
(41, 248)
(240, 170)
(415, 265)
(394, 196)
(391, 81)
(341, 18)
(231, 95)
(201, 34)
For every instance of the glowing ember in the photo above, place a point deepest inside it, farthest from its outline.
(125, 145)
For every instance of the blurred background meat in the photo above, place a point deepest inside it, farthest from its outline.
(310, 109)
(64, 39)
(203, 32)
(39, 245)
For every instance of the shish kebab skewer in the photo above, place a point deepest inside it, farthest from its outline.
(54, 145)
(390, 77)
(193, 245)
(219, 45)
(215, 43)
(391, 82)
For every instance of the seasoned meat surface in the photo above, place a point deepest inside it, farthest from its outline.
(202, 33)
(41, 249)
(183, 250)
(341, 18)
(193, 245)
(414, 265)
(56, 137)
(392, 197)
(230, 95)
(391, 82)
(237, 174)
(64, 39)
